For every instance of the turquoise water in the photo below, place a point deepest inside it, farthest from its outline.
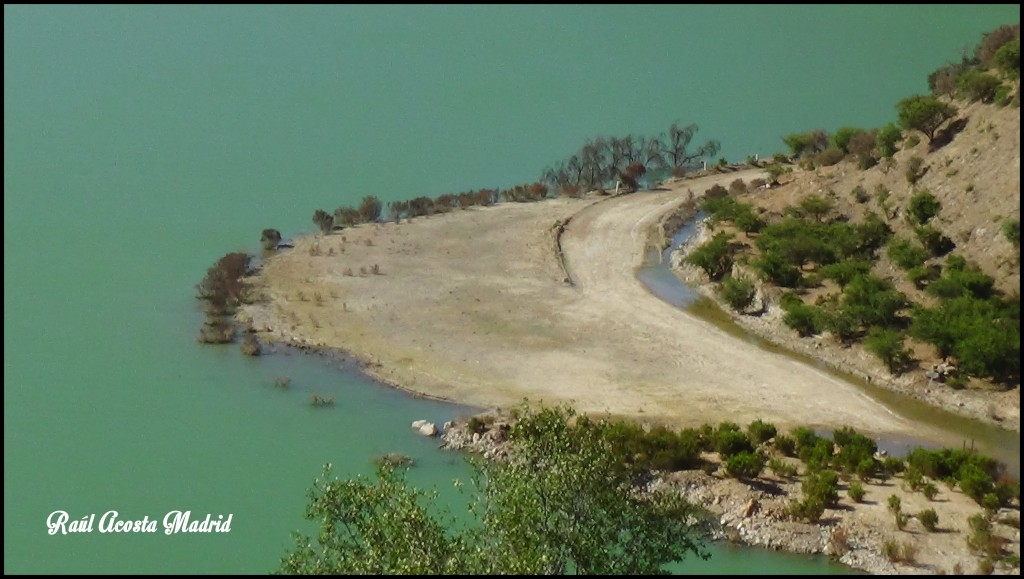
(141, 143)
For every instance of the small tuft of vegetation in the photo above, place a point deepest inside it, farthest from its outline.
(929, 520)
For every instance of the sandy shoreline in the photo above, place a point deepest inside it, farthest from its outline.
(474, 308)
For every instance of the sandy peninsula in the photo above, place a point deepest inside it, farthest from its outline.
(473, 306)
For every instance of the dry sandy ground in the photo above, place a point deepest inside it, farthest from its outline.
(472, 306)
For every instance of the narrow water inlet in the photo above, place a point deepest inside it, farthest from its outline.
(657, 275)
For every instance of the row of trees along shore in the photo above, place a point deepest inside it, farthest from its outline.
(600, 164)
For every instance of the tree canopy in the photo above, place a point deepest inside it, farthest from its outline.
(924, 113)
(562, 503)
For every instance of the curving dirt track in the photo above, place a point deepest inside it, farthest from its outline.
(472, 306)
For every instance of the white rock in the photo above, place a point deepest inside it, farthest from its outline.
(419, 424)
(428, 429)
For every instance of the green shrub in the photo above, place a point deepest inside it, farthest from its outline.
(817, 457)
(913, 477)
(981, 539)
(774, 269)
(822, 485)
(929, 519)
(729, 440)
(891, 551)
(921, 275)
(974, 482)
(924, 206)
(1003, 96)
(761, 432)
(806, 320)
(995, 39)
(872, 233)
(892, 465)
(856, 491)
(934, 240)
(806, 143)
(744, 465)
(906, 253)
(809, 509)
(659, 449)
(887, 138)
(929, 490)
(895, 504)
(962, 281)
(976, 85)
(872, 301)
(782, 468)
(842, 137)
(911, 142)
(1011, 229)
(737, 292)
(746, 220)
(860, 194)
(1007, 58)
(785, 444)
(888, 346)
(714, 257)
(804, 437)
(984, 335)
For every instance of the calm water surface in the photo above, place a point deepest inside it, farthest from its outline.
(141, 143)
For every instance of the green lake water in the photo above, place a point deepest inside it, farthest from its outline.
(141, 143)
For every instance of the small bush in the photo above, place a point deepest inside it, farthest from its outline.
(886, 140)
(975, 85)
(822, 485)
(729, 440)
(929, 519)
(929, 490)
(782, 469)
(895, 504)
(856, 491)
(923, 206)
(1011, 229)
(860, 194)
(806, 320)
(809, 509)
(829, 157)
(744, 465)
(323, 220)
(785, 444)
(737, 292)
(761, 432)
(914, 169)
(891, 551)
(1007, 58)
(934, 240)
(906, 253)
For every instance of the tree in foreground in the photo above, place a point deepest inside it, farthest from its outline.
(561, 504)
